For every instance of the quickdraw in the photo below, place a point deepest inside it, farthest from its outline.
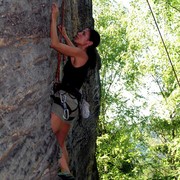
(65, 108)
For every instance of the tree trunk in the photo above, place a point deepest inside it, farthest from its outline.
(28, 148)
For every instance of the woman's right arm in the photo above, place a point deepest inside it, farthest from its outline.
(53, 30)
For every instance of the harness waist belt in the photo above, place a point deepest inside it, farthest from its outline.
(73, 91)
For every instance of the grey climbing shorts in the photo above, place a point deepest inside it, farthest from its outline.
(71, 102)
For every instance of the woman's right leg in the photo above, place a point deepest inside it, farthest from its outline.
(61, 129)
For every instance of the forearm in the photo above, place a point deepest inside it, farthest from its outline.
(60, 47)
(68, 41)
(53, 33)
(62, 31)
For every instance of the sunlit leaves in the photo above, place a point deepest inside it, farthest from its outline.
(139, 123)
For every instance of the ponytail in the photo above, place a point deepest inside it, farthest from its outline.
(91, 52)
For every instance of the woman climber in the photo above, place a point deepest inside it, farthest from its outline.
(65, 107)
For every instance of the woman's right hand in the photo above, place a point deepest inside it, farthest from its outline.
(54, 11)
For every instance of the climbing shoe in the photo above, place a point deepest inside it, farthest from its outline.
(66, 176)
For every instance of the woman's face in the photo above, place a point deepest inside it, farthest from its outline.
(82, 37)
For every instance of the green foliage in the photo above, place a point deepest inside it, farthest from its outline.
(139, 126)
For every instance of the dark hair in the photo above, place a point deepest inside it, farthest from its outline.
(91, 50)
(94, 37)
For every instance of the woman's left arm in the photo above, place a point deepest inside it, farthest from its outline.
(62, 30)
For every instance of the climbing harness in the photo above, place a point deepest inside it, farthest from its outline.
(83, 106)
(62, 100)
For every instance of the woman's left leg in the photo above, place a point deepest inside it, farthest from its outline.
(61, 138)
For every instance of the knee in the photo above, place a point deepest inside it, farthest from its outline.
(55, 124)
(55, 130)
(54, 127)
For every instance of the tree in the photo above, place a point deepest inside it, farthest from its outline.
(140, 94)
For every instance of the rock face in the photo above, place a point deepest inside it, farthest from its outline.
(28, 149)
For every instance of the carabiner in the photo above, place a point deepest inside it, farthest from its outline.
(66, 114)
(63, 98)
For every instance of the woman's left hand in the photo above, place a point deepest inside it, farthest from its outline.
(62, 30)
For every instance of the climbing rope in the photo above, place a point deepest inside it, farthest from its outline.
(60, 57)
(175, 74)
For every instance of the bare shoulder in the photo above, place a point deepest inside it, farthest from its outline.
(80, 60)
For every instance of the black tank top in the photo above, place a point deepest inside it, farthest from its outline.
(74, 77)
